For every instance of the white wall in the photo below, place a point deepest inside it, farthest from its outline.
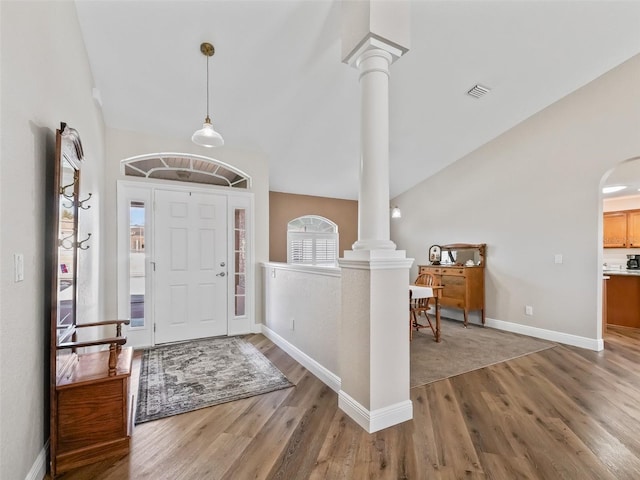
(310, 298)
(45, 79)
(532, 193)
(123, 144)
(630, 202)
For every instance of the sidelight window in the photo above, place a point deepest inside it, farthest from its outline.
(137, 273)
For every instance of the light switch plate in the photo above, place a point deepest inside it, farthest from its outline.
(18, 267)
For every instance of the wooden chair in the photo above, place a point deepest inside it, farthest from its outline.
(418, 306)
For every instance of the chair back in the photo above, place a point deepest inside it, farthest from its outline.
(425, 279)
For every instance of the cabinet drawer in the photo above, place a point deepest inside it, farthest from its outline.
(442, 270)
(449, 281)
(431, 270)
(452, 271)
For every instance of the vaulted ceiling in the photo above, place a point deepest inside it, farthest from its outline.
(278, 85)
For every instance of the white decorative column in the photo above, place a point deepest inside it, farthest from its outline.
(373, 199)
(374, 328)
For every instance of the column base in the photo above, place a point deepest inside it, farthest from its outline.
(376, 420)
(374, 338)
(374, 245)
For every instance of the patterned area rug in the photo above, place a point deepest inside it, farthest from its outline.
(187, 376)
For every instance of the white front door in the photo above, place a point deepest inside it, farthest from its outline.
(190, 265)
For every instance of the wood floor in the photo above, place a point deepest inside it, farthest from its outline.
(563, 413)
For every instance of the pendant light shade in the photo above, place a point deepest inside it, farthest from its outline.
(207, 136)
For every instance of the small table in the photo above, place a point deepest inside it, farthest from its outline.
(435, 292)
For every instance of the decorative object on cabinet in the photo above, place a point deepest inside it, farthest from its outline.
(621, 229)
(89, 404)
(435, 254)
(461, 274)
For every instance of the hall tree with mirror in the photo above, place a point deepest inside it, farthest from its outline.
(90, 409)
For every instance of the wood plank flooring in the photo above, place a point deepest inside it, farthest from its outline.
(562, 413)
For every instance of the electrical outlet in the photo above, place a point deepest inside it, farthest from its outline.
(528, 310)
(557, 258)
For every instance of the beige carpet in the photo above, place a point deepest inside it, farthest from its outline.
(464, 349)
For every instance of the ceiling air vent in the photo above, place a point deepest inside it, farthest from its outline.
(478, 91)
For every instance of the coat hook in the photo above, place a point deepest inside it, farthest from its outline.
(65, 242)
(81, 203)
(63, 191)
(79, 244)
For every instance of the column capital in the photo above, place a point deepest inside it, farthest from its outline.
(374, 60)
(374, 46)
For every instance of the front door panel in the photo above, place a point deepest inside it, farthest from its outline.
(190, 259)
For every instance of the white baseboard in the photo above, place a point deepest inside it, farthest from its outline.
(376, 420)
(324, 374)
(552, 335)
(39, 467)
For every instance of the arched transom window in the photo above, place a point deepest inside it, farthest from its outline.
(183, 167)
(312, 240)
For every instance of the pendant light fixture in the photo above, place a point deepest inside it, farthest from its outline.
(207, 136)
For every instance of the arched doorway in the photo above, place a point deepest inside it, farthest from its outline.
(620, 240)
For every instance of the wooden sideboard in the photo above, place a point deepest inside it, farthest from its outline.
(463, 283)
(463, 287)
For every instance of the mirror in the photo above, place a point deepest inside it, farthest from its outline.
(64, 219)
(67, 238)
(470, 255)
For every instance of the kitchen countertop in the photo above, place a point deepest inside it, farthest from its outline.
(622, 272)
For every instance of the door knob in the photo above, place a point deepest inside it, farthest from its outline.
(221, 274)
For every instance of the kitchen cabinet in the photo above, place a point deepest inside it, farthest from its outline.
(623, 300)
(614, 226)
(633, 228)
(621, 229)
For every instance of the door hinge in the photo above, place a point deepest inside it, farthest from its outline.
(154, 328)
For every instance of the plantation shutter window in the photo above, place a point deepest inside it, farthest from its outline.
(312, 240)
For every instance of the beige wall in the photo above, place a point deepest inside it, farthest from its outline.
(45, 79)
(284, 207)
(532, 193)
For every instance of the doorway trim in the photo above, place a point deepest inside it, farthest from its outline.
(143, 190)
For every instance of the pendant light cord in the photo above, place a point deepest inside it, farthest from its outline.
(208, 89)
